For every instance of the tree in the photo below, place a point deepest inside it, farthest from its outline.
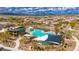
(56, 28)
(4, 36)
(73, 24)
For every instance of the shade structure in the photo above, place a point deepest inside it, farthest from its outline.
(43, 38)
(55, 39)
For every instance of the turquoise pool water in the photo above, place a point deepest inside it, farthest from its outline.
(52, 33)
(38, 32)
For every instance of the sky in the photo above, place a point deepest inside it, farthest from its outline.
(39, 10)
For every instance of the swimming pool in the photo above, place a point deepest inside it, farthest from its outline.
(39, 33)
(52, 33)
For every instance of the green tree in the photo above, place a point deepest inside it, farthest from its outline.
(4, 36)
(73, 24)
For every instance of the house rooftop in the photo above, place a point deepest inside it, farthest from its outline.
(19, 29)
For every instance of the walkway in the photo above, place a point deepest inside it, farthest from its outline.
(3, 30)
(17, 43)
(8, 48)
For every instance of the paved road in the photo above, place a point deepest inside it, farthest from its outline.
(77, 44)
(8, 48)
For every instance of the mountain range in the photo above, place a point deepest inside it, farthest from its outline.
(38, 10)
